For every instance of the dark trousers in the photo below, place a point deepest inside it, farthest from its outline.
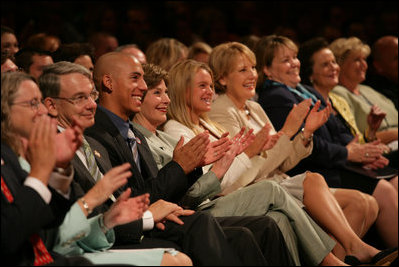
(222, 241)
(266, 234)
(202, 239)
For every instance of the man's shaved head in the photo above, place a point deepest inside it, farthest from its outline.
(119, 79)
(110, 64)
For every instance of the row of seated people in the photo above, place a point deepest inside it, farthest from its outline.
(382, 74)
(233, 180)
(124, 61)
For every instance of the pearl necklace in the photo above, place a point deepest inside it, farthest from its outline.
(246, 110)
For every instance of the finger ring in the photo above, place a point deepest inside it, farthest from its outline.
(366, 155)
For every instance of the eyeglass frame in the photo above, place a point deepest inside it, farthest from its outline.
(82, 99)
(34, 103)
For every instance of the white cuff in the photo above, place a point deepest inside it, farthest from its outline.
(39, 187)
(148, 220)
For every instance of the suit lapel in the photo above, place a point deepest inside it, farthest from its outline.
(82, 175)
(100, 154)
(146, 159)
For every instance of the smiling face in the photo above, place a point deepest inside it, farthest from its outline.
(201, 94)
(72, 86)
(354, 67)
(128, 87)
(155, 106)
(23, 116)
(285, 67)
(9, 42)
(119, 78)
(240, 83)
(325, 70)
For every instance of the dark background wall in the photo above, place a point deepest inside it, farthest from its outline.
(214, 22)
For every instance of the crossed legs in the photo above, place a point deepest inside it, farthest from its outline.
(327, 212)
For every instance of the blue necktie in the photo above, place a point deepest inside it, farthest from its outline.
(131, 139)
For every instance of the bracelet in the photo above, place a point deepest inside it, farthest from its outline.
(103, 228)
(86, 206)
(309, 139)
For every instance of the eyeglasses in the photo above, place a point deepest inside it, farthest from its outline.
(33, 104)
(80, 100)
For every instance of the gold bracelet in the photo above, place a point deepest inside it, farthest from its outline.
(86, 206)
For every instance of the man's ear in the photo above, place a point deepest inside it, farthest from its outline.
(107, 82)
(51, 106)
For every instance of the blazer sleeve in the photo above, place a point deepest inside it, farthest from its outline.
(76, 227)
(204, 188)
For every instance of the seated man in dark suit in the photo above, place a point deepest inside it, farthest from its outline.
(188, 236)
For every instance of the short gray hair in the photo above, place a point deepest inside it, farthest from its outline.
(49, 81)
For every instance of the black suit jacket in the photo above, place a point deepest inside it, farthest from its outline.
(169, 183)
(125, 234)
(27, 214)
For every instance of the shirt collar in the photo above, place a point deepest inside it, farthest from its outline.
(123, 126)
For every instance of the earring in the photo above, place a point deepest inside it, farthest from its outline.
(311, 80)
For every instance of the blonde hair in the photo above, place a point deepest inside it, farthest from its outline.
(10, 83)
(342, 47)
(266, 49)
(223, 59)
(165, 52)
(181, 82)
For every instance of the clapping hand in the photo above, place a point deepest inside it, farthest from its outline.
(126, 209)
(112, 180)
(67, 143)
(296, 117)
(217, 149)
(40, 149)
(316, 117)
(191, 155)
(241, 141)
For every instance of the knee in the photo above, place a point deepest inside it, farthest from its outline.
(183, 260)
(314, 179)
(385, 191)
(372, 206)
(359, 201)
(180, 259)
